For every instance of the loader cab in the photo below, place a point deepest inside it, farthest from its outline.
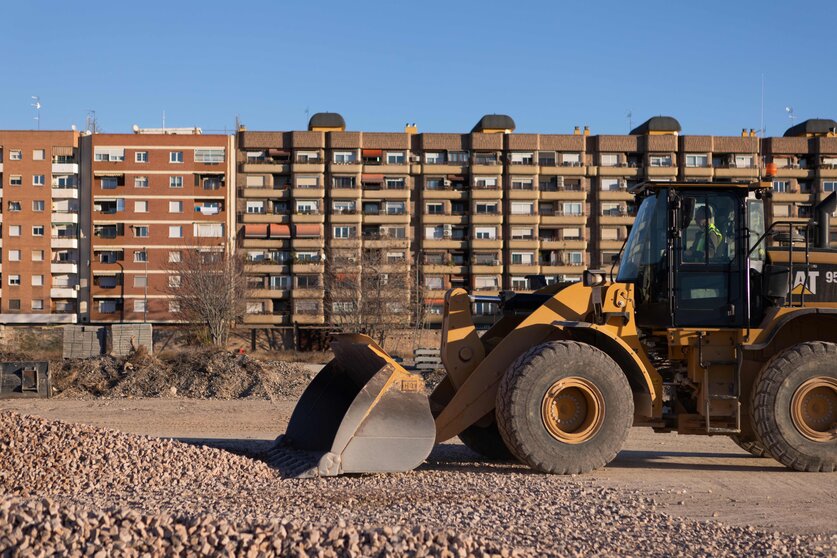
(687, 255)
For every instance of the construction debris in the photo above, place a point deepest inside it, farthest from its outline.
(210, 374)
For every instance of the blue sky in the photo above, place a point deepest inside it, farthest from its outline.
(550, 65)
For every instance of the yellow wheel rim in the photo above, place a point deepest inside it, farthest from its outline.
(814, 409)
(573, 410)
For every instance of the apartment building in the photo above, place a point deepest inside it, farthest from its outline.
(39, 174)
(153, 195)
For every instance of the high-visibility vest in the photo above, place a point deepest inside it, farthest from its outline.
(700, 243)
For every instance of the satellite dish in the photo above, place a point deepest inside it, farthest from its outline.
(135, 128)
(73, 127)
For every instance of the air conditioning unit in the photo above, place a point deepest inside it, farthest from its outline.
(559, 181)
(415, 158)
(447, 182)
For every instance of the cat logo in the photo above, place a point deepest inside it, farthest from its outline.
(805, 283)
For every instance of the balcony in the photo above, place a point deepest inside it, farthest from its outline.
(661, 172)
(262, 192)
(268, 292)
(38, 318)
(267, 319)
(312, 166)
(313, 292)
(317, 192)
(523, 218)
(486, 193)
(64, 267)
(64, 242)
(623, 171)
(65, 193)
(64, 217)
(308, 267)
(309, 317)
(698, 172)
(266, 166)
(64, 168)
(523, 194)
(264, 218)
(444, 194)
(63, 292)
(570, 169)
(563, 219)
(735, 172)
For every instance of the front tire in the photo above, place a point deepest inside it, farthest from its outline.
(487, 442)
(795, 407)
(564, 407)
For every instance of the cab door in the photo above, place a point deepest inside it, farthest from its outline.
(709, 289)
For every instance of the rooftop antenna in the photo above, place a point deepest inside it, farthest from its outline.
(36, 104)
(791, 115)
(90, 123)
(164, 122)
(630, 121)
(762, 130)
(307, 114)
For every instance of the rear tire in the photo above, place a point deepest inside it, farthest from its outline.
(795, 407)
(750, 445)
(564, 407)
(487, 442)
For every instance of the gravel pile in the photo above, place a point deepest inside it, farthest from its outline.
(199, 374)
(179, 498)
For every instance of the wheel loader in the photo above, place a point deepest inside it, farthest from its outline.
(713, 325)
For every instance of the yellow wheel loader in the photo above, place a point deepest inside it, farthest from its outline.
(712, 325)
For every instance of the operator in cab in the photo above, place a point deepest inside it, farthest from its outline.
(708, 237)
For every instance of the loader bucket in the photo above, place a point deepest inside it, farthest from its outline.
(362, 413)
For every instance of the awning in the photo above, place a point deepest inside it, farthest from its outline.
(372, 152)
(309, 230)
(108, 173)
(277, 152)
(280, 231)
(255, 231)
(62, 151)
(434, 300)
(372, 178)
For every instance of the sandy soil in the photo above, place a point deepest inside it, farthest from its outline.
(689, 476)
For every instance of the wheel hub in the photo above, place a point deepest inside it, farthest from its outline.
(814, 409)
(572, 410)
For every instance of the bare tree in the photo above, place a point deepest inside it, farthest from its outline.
(368, 292)
(208, 286)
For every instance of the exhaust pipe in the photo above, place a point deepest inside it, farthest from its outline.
(823, 211)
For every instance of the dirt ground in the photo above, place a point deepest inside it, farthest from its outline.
(689, 476)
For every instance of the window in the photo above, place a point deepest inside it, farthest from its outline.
(208, 230)
(609, 233)
(434, 183)
(141, 206)
(573, 233)
(175, 182)
(308, 157)
(612, 209)
(140, 256)
(107, 306)
(253, 206)
(14, 280)
(522, 233)
(697, 160)
(522, 258)
(112, 154)
(140, 182)
(141, 157)
(608, 159)
(344, 157)
(343, 206)
(38, 205)
(38, 155)
(344, 232)
(177, 207)
(175, 231)
(486, 208)
(395, 183)
(140, 231)
(744, 161)
(139, 305)
(458, 157)
(660, 160)
(15, 155)
(14, 206)
(523, 208)
(37, 280)
(487, 182)
(571, 159)
(575, 258)
(209, 156)
(829, 186)
(485, 233)
(16, 180)
(610, 184)
(38, 180)
(522, 183)
(307, 207)
(37, 255)
(571, 208)
(174, 281)
(395, 208)
(486, 282)
(434, 282)
(14, 255)
(174, 306)
(434, 158)
(546, 158)
(781, 210)
(780, 186)
(37, 304)
(435, 208)
(140, 280)
(175, 156)
(174, 256)
(343, 182)
(110, 182)
(395, 157)
(14, 230)
(38, 230)
(522, 158)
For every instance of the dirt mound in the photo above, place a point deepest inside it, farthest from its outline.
(194, 374)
